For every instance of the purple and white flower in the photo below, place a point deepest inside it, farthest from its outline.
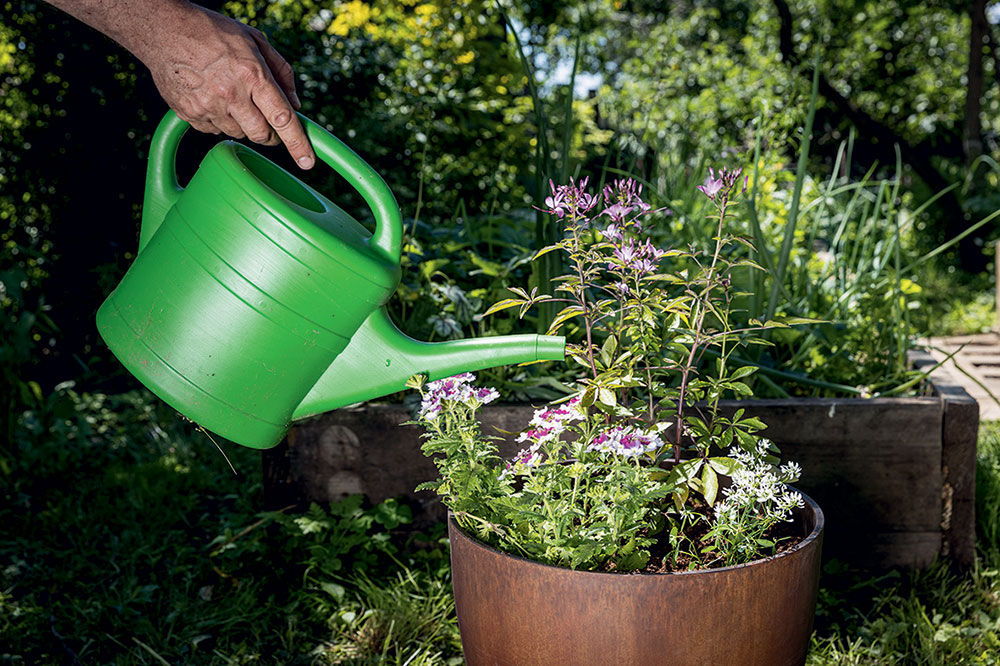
(454, 390)
(627, 441)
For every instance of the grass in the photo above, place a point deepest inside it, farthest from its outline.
(126, 539)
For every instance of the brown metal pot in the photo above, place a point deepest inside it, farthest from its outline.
(514, 612)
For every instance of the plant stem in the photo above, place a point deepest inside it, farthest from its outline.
(588, 324)
(699, 324)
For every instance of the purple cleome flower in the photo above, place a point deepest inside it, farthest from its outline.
(721, 187)
(641, 259)
(712, 185)
(572, 199)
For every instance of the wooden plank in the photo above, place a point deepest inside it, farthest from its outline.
(874, 467)
(886, 550)
(873, 463)
(960, 435)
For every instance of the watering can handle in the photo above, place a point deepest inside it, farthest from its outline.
(163, 188)
(388, 235)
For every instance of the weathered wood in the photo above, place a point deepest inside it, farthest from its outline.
(960, 435)
(873, 465)
(895, 476)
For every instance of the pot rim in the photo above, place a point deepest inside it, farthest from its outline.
(813, 536)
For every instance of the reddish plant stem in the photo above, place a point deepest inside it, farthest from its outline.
(699, 323)
(583, 303)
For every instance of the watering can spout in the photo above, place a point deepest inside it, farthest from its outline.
(380, 359)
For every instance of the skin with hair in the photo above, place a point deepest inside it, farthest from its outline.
(218, 74)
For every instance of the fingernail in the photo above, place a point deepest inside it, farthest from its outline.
(305, 162)
(295, 100)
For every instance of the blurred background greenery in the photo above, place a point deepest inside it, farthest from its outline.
(469, 108)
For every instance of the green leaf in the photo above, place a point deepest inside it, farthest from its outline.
(744, 371)
(680, 497)
(795, 321)
(709, 484)
(683, 473)
(566, 313)
(608, 349)
(723, 465)
(430, 267)
(503, 305)
(545, 250)
(334, 590)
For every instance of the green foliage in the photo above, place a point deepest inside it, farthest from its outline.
(126, 539)
(406, 621)
(108, 557)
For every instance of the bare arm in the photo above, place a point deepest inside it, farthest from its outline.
(218, 74)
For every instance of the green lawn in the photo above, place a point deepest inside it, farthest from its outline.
(127, 539)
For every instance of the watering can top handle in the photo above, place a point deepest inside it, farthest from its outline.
(162, 186)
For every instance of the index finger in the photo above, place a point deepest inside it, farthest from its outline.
(280, 115)
(280, 69)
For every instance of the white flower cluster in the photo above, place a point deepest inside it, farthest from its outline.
(454, 390)
(757, 487)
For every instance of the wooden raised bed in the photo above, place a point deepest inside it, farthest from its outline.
(894, 476)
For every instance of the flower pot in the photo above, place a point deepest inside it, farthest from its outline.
(515, 612)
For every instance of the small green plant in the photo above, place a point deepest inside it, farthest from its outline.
(636, 458)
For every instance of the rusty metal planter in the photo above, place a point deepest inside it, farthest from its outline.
(514, 612)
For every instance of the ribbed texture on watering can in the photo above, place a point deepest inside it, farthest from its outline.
(513, 612)
(326, 236)
(222, 345)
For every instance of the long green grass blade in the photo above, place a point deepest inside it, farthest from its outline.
(800, 173)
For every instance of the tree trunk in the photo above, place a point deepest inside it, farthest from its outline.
(973, 142)
(917, 156)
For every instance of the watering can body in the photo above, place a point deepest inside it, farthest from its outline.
(249, 286)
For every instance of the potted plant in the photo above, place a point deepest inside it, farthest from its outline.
(636, 473)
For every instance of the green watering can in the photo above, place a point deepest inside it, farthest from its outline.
(255, 300)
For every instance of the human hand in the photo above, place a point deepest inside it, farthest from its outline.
(222, 76)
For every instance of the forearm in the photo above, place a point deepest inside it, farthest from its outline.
(134, 24)
(218, 74)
